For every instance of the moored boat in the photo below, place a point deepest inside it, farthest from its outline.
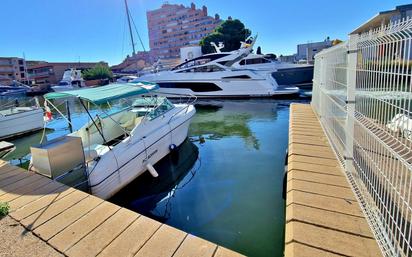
(19, 120)
(115, 147)
(214, 76)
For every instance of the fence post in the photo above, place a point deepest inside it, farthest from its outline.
(350, 100)
(321, 86)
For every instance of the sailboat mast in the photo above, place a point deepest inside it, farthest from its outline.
(130, 27)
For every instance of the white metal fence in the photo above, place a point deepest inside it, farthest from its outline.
(363, 96)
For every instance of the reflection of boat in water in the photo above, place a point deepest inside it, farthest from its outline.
(223, 118)
(145, 192)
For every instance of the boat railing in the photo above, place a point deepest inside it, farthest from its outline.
(189, 101)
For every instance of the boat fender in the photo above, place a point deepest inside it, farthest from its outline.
(172, 147)
(152, 170)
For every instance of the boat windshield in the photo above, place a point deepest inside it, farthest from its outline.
(199, 61)
(64, 83)
(152, 107)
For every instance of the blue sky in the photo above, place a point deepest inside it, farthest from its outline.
(94, 30)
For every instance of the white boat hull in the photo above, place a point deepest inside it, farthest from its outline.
(225, 84)
(20, 120)
(129, 159)
(239, 91)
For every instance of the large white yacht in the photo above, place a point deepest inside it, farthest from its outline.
(214, 76)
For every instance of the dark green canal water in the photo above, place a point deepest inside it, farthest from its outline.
(223, 184)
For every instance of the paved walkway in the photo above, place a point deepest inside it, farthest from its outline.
(323, 217)
(78, 224)
(16, 241)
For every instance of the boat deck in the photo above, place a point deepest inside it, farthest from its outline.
(323, 217)
(79, 224)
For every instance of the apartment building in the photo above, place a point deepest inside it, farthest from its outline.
(173, 26)
(12, 68)
(309, 50)
(47, 73)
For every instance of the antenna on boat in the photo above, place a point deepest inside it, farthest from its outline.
(130, 27)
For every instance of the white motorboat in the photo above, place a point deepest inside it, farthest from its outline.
(114, 148)
(72, 79)
(18, 120)
(213, 76)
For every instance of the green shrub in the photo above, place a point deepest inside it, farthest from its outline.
(4, 209)
(99, 71)
(229, 32)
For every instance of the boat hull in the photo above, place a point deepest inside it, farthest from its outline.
(224, 84)
(296, 76)
(19, 123)
(129, 159)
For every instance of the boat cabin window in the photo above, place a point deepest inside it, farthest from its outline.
(207, 68)
(253, 61)
(199, 61)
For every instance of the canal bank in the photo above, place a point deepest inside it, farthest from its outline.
(323, 217)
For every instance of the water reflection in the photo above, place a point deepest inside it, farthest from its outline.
(218, 119)
(229, 188)
(153, 196)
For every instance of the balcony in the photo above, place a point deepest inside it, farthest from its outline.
(7, 69)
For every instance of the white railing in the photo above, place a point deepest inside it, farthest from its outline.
(362, 93)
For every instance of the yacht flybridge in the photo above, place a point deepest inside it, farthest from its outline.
(115, 147)
(213, 75)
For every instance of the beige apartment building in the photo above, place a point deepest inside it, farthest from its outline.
(12, 68)
(174, 26)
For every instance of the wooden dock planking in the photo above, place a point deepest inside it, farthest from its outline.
(224, 252)
(38, 218)
(132, 239)
(95, 242)
(64, 240)
(19, 184)
(8, 171)
(13, 179)
(78, 224)
(194, 246)
(32, 187)
(25, 198)
(64, 219)
(39, 204)
(323, 217)
(164, 242)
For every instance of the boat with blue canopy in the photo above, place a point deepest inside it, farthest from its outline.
(114, 147)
